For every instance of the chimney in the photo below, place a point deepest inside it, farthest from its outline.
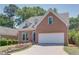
(50, 9)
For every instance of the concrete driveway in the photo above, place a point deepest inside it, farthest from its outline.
(43, 50)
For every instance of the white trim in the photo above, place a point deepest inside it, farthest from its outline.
(41, 19)
(24, 33)
(59, 17)
(51, 38)
(48, 19)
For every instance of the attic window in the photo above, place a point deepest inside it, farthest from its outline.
(50, 20)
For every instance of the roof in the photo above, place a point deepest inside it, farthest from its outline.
(33, 22)
(26, 29)
(65, 17)
(30, 22)
(8, 31)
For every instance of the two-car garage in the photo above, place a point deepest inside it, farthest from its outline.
(51, 38)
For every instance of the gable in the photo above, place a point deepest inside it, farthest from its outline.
(57, 26)
(54, 14)
(56, 20)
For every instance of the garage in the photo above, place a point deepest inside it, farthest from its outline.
(51, 38)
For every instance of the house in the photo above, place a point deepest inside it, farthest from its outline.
(8, 33)
(49, 28)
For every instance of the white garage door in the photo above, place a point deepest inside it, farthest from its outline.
(51, 38)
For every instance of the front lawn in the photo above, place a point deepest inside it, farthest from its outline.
(72, 50)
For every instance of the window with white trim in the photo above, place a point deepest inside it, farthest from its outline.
(50, 20)
(25, 36)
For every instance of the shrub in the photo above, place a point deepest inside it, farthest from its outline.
(3, 42)
(9, 42)
(76, 38)
(71, 35)
(14, 42)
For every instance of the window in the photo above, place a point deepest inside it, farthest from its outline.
(50, 20)
(25, 36)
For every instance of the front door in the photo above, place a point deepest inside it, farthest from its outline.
(33, 36)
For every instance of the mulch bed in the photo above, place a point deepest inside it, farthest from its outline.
(17, 47)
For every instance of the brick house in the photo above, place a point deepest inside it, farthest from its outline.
(49, 28)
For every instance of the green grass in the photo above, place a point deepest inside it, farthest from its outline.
(72, 50)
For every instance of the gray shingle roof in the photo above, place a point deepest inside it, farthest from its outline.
(65, 17)
(30, 22)
(8, 31)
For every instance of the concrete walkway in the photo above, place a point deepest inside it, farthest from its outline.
(42, 50)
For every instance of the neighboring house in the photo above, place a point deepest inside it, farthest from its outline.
(8, 33)
(49, 28)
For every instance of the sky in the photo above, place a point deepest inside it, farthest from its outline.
(72, 9)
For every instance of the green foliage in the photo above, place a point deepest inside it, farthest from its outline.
(4, 42)
(10, 10)
(74, 37)
(74, 23)
(77, 38)
(14, 42)
(9, 42)
(71, 35)
(27, 12)
(5, 21)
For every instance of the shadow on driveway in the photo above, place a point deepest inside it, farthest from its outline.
(51, 44)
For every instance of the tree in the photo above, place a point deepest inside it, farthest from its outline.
(74, 23)
(5, 21)
(10, 10)
(27, 12)
(78, 16)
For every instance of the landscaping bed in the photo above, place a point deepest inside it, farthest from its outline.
(4, 42)
(7, 50)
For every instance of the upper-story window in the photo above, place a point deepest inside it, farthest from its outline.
(50, 20)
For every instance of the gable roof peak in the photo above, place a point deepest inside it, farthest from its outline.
(56, 14)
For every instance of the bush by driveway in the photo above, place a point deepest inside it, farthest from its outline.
(73, 37)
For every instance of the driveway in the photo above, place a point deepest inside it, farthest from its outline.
(43, 50)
